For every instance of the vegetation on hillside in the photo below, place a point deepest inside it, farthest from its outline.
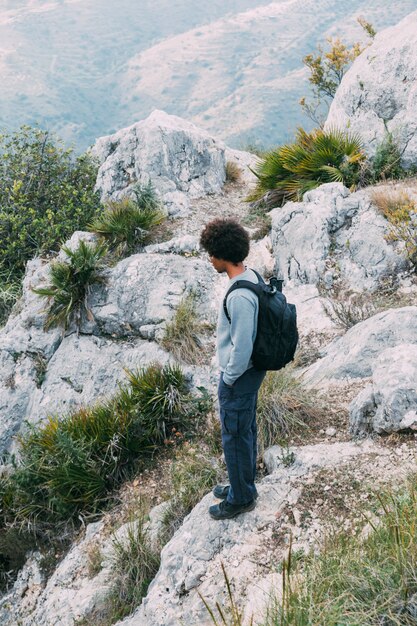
(285, 407)
(46, 193)
(361, 580)
(313, 159)
(401, 212)
(69, 466)
(182, 335)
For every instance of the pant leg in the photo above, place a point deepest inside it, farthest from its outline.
(255, 438)
(238, 421)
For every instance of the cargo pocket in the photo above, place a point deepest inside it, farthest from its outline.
(236, 422)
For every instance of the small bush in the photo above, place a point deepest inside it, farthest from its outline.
(70, 283)
(233, 172)
(401, 212)
(284, 407)
(350, 308)
(387, 160)
(181, 335)
(313, 159)
(128, 223)
(95, 560)
(45, 195)
(358, 581)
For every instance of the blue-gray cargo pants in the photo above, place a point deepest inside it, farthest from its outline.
(238, 421)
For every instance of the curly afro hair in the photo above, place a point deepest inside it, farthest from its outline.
(225, 239)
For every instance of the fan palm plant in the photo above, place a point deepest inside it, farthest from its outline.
(71, 282)
(313, 159)
(127, 223)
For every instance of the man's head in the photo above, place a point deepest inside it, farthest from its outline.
(226, 241)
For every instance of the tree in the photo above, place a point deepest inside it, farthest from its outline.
(327, 69)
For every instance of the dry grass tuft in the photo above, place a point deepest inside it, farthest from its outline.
(233, 172)
(284, 408)
(400, 210)
(182, 335)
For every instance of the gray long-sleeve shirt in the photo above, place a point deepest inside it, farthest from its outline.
(235, 340)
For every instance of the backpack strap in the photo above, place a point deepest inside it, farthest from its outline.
(247, 284)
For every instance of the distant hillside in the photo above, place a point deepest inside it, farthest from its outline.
(87, 67)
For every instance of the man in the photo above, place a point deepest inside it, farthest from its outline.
(227, 244)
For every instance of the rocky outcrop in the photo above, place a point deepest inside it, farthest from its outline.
(378, 93)
(53, 371)
(73, 591)
(389, 404)
(191, 561)
(142, 292)
(354, 354)
(333, 234)
(180, 160)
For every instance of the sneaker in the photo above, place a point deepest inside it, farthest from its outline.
(224, 510)
(222, 491)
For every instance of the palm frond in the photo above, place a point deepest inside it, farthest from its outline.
(313, 159)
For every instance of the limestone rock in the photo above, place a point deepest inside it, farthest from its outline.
(85, 368)
(389, 404)
(25, 350)
(333, 234)
(72, 592)
(145, 289)
(191, 561)
(181, 160)
(353, 355)
(379, 91)
(187, 245)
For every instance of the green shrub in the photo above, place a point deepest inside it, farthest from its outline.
(313, 159)
(45, 195)
(386, 162)
(68, 466)
(128, 223)
(358, 581)
(181, 335)
(284, 407)
(134, 562)
(326, 69)
(70, 283)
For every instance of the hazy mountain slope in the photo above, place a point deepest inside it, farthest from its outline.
(88, 67)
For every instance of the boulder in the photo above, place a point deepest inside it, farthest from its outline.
(333, 234)
(143, 291)
(353, 355)
(379, 92)
(389, 404)
(181, 160)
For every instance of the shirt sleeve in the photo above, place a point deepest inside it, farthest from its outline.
(242, 311)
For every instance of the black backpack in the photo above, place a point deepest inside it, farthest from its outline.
(277, 334)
